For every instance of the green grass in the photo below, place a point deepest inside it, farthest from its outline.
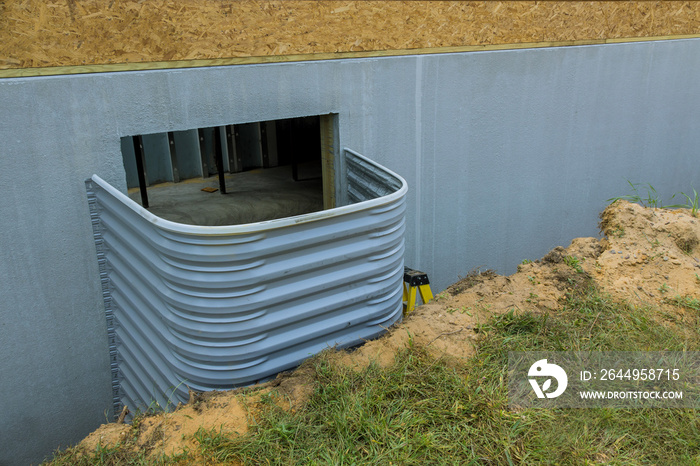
(687, 302)
(652, 199)
(427, 411)
(423, 410)
(693, 203)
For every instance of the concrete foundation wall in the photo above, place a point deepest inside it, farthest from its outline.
(507, 154)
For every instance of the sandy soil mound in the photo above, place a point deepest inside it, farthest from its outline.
(647, 257)
(650, 256)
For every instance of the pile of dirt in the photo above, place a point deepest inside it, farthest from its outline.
(647, 258)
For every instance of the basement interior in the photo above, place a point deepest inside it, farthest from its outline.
(228, 175)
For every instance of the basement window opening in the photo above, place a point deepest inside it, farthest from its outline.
(234, 174)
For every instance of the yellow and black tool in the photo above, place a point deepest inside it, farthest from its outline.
(415, 281)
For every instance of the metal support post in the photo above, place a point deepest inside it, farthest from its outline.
(138, 153)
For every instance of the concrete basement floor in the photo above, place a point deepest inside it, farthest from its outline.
(251, 196)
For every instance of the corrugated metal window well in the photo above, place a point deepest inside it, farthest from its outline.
(207, 307)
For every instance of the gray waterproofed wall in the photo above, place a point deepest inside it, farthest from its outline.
(506, 154)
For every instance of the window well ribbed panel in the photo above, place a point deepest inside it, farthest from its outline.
(215, 307)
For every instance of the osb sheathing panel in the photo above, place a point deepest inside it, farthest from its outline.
(35, 33)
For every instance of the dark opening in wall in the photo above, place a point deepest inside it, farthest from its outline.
(234, 174)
